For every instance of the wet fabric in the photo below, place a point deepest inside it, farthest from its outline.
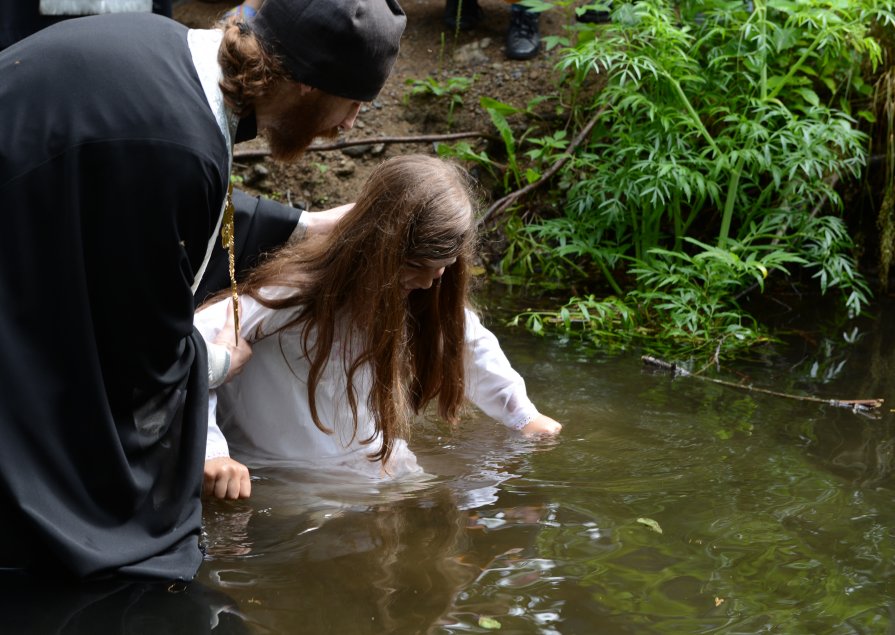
(262, 417)
(112, 175)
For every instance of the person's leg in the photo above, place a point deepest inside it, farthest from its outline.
(461, 14)
(523, 35)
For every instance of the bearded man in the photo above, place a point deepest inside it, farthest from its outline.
(115, 156)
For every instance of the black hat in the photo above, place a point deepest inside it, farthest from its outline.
(343, 47)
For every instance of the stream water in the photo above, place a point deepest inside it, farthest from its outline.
(668, 505)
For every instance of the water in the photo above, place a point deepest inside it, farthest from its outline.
(666, 506)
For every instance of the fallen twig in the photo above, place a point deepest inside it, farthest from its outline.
(501, 204)
(862, 406)
(254, 153)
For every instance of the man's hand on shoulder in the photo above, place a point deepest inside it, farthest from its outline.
(320, 223)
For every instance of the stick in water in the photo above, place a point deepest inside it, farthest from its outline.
(863, 406)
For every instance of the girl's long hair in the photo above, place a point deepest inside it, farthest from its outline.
(348, 287)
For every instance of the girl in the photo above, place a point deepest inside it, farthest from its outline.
(355, 333)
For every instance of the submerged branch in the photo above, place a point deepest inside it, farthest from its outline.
(861, 406)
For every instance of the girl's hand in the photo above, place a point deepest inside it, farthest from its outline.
(226, 478)
(240, 349)
(542, 424)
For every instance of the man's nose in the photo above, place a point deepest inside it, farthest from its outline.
(348, 121)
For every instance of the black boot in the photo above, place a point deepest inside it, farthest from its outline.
(523, 36)
(469, 13)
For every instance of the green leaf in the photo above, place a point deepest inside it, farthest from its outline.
(652, 524)
(498, 106)
(532, 175)
(809, 95)
(489, 622)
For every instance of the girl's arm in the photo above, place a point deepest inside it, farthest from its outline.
(494, 386)
(225, 477)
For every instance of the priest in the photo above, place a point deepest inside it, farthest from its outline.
(115, 157)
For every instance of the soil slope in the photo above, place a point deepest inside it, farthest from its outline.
(326, 178)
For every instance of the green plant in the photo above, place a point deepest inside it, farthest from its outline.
(451, 89)
(884, 98)
(719, 137)
(695, 296)
(608, 322)
(512, 173)
(463, 151)
(692, 300)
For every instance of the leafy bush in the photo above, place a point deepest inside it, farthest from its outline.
(721, 130)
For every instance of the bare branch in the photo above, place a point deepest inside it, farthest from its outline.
(252, 153)
(502, 204)
(867, 407)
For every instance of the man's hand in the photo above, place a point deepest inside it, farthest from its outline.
(226, 478)
(322, 222)
(542, 424)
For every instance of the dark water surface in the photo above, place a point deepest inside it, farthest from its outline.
(776, 515)
(666, 506)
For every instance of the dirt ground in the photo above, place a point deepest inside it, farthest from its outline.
(324, 179)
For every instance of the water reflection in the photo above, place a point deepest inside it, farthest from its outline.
(351, 561)
(43, 607)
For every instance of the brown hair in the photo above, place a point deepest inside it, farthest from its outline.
(412, 207)
(249, 70)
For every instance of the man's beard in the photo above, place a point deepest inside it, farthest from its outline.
(290, 135)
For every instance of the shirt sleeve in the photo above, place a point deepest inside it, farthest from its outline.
(218, 363)
(215, 443)
(254, 318)
(491, 382)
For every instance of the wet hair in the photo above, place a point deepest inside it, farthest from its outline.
(249, 69)
(349, 287)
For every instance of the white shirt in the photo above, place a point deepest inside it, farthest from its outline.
(265, 414)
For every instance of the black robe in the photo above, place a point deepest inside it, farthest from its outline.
(261, 225)
(112, 175)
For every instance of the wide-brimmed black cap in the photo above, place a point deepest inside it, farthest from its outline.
(343, 47)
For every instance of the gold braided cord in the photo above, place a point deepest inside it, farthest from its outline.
(228, 243)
